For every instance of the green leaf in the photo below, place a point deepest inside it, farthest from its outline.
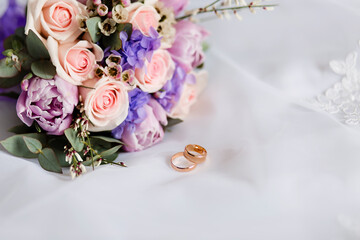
(33, 144)
(107, 139)
(93, 28)
(114, 40)
(20, 129)
(205, 46)
(20, 32)
(75, 141)
(9, 40)
(11, 82)
(36, 47)
(43, 69)
(57, 144)
(16, 146)
(111, 151)
(7, 71)
(8, 52)
(49, 161)
(17, 45)
(173, 121)
(127, 27)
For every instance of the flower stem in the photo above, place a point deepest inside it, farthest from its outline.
(121, 164)
(204, 10)
(211, 4)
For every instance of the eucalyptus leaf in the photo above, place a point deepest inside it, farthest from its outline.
(16, 146)
(13, 81)
(20, 32)
(127, 27)
(107, 139)
(7, 71)
(9, 40)
(93, 28)
(49, 161)
(21, 129)
(173, 121)
(36, 47)
(43, 69)
(113, 41)
(75, 141)
(110, 151)
(57, 144)
(33, 144)
(17, 45)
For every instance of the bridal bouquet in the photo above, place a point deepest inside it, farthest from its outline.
(99, 77)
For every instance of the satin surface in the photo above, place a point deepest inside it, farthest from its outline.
(278, 168)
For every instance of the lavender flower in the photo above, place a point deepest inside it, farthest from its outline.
(48, 102)
(170, 94)
(13, 18)
(139, 47)
(137, 113)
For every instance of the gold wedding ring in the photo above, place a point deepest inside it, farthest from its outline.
(187, 161)
(181, 164)
(195, 153)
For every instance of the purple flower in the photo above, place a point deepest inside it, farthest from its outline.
(187, 48)
(49, 102)
(177, 5)
(149, 131)
(139, 47)
(170, 94)
(13, 18)
(137, 100)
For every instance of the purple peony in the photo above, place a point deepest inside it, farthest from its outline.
(139, 47)
(142, 127)
(177, 5)
(49, 102)
(13, 18)
(137, 100)
(149, 131)
(187, 48)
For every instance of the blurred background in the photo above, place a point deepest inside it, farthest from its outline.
(279, 169)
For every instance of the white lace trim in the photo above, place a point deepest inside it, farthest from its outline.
(343, 98)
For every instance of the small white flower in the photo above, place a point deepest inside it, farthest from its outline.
(77, 170)
(102, 10)
(128, 77)
(120, 14)
(113, 59)
(97, 163)
(99, 71)
(114, 71)
(166, 27)
(78, 157)
(107, 27)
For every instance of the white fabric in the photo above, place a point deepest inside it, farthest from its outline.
(278, 168)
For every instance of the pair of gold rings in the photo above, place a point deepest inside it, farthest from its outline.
(187, 161)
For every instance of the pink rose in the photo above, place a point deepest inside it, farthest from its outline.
(75, 61)
(106, 105)
(54, 18)
(177, 5)
(143, 17)
(149, 131)
(189, 95)
(187, 48)
(153, 76)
